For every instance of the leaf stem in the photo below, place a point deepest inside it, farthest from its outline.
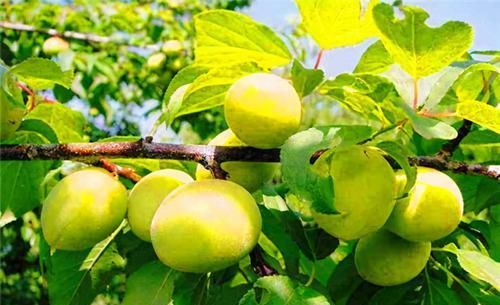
(318, 59)
(398, 124)
(31, 95)
(415, 93)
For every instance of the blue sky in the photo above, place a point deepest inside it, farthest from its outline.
(483, 15)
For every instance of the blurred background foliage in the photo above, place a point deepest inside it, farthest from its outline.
(115, 88)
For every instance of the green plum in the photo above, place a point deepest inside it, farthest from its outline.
(83, 209)
(250, 175)
(385, 259)
(12, 108)
(55, 45)
(172, 47)
(364, 193)
(10, 115)
(205, 226)
(147, 195)
(263, 110)
(432, 210)
(156, 61)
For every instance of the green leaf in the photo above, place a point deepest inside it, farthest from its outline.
(478, 192)
(344, 280)
(66, 124)
(438, 293)
(433, 129)
(337, 23)
(41, 73)
(209, 90)
(282, 290)
(21, 180)
(153, 284)
(76, 277)
(457, 76)
(400, 153)
(226, 37)
(427, 127)
(274, 226)
(190, 289)
(370, 96)
(298, 173)
(305, 80)
(419, 49)
(480, 113)
(226, 294)
(394, 295)
(376, 59)
(183, 77)
(479, 266)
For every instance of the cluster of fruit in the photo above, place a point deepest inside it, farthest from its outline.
(194, 226)
(207, 225)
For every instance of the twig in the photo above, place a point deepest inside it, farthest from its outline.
(447, 150)
(208, 156)
(455, 166)
(70, 34)
(125, 172)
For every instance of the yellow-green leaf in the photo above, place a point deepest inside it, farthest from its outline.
(419, 49)
(225, 38)
(337, 23)
(480, 113)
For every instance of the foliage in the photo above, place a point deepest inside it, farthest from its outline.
(376, 108)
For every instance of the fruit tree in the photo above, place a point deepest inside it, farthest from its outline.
(376, 186)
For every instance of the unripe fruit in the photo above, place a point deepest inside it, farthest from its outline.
(172, 47)
(156, 61)
(10, 116)
(385, 259)
(263, 110)
(12, 107)
(432, 211)
(147, 195)
(250, 175)
(55, 45)
(83, 209)
(205, 226)
(364, 193)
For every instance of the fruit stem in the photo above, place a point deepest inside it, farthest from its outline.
(312, 276)
(115, 169)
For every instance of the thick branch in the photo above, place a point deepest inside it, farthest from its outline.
(455, 166)
(209, 156)
(69, 34)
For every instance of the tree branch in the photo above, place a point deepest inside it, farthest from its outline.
(69, 34)
(209, 156)
(447, 150)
